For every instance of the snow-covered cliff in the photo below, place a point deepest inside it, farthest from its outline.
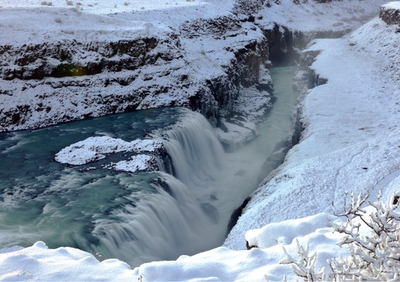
(63, 63)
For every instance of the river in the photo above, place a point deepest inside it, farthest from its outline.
(135, 217)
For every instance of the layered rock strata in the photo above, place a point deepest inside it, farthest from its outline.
(48, 82)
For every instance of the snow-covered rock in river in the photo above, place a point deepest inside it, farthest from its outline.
(96, 148)
(136, 163)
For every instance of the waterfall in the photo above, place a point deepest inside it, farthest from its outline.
(196, 153)
(180, 217)
(159, 225)
(136, 217)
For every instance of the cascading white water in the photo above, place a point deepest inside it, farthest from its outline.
(160, 225)
(179, 219)
(197, 154)
(189, 216)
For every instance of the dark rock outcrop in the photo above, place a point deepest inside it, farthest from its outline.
(390, 14)
(53, 82)
(236, 214)
(306, 77)
(69, 58)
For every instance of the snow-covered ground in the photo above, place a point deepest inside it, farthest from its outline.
(103, 6)
(220, 264)
(350, 143)
(102, 20)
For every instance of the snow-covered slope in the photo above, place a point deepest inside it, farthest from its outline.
(350, 142)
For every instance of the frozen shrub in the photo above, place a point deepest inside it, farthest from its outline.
(304, 266)
(375, 257)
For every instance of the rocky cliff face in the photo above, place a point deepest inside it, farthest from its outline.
(51, 82)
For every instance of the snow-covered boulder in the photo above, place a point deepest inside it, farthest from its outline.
(390, 13)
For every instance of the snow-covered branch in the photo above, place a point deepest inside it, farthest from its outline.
(375, 257)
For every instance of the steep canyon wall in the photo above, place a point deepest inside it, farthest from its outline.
(49, 82)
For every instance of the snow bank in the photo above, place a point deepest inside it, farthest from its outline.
(96, 148)
(350, 142)
(313, 17)
(220, 264)
(63, 264)
(285, 232)
(51, 24)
